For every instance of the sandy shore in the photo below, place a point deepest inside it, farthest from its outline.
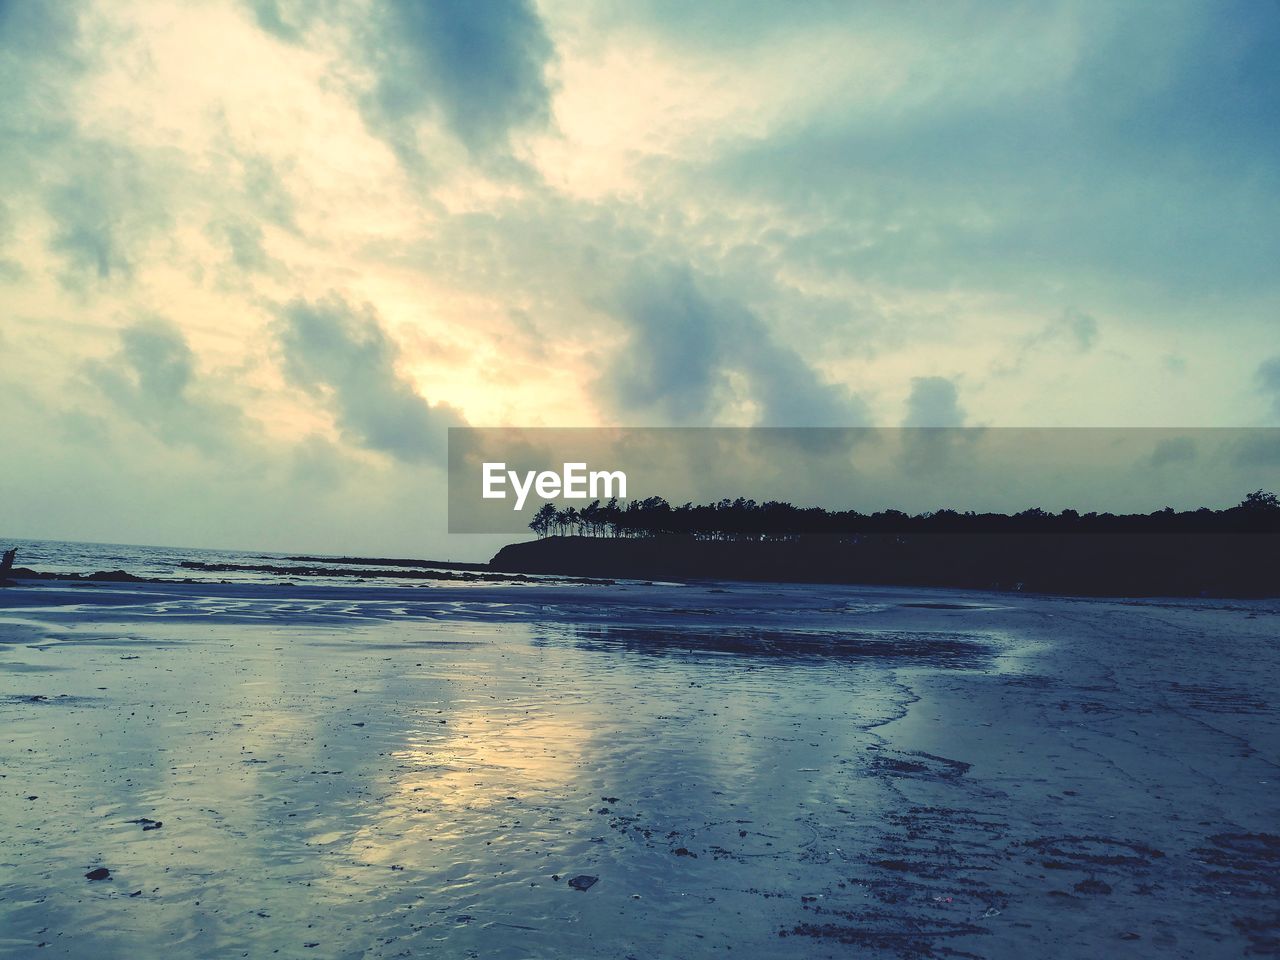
(745, 770)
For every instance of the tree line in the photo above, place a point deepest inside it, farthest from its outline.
(744, 519)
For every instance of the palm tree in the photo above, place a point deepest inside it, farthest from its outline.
(543, 519)
(572, 520)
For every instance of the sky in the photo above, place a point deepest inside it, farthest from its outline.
(256, 256)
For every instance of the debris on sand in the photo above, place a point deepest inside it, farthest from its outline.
(147, 823)
(1092, 885)
(583, 882)
(98, 873)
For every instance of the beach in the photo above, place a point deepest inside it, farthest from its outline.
(634, 770)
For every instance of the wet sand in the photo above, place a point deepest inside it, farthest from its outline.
(747, 770)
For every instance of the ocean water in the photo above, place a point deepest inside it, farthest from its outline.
(65, 556)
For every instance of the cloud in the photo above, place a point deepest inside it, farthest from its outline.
(1173, 451)
(480, 68)
(84, 234)
(1072, 330)
(683, 347)
(39, 30)
(933, 402)
(152, 379)
(256, 200)
(342, 355)
(944, 443)
(1126, 145)
(244, 242)
(669, 366)
(107, 202)
(40, 59)
(1079, 329)
(1258, 448)
(62, 156)
(286, 20)
(1268, 380)
(790, 392)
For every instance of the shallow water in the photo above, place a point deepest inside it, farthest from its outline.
(375, 776)
(399, 772)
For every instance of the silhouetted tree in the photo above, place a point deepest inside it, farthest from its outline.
(744, 519)
(1262, 501)
(543, 519)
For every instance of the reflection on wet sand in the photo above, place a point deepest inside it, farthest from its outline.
(883, 648)
(773, 774)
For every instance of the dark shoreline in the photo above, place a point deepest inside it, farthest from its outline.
(1221, 565)
(1101, 565)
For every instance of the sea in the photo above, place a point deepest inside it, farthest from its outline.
(233, 566)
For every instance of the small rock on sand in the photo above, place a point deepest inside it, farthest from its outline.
(582, 882)
(98, 873)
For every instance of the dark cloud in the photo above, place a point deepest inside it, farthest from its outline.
(790, 392)
(1268, 379)
(937, 441)
(285, 20)
(243, 239)
(152, 379)
(39, 55)
(1127, 144)
(1173, 451)
(341, 354)
(39, 29)
(669, 366)
(84, 232)
(1257, 449)
(933, 402)
(102, 197)
(683, 346)
(478, 67)
(105, 208)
